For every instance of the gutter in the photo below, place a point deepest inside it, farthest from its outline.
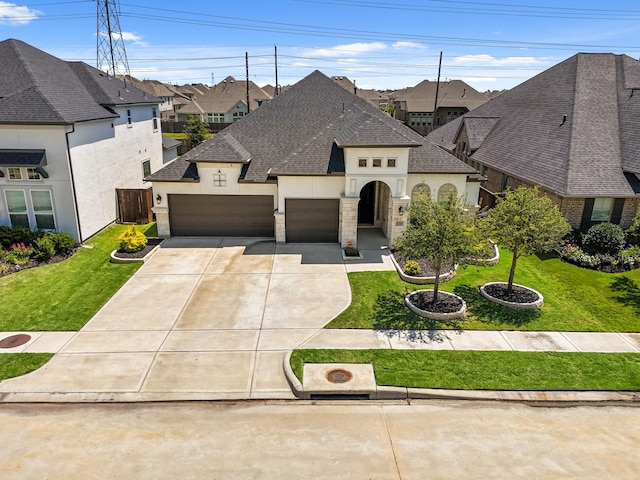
(73, 184)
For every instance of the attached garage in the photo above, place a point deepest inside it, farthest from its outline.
(221, 215)
(312, 220)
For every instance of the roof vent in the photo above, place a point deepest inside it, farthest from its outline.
(564, 119)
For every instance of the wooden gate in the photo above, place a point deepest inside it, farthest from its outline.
(134, 205)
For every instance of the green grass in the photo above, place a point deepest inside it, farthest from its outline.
(183, 136)
(488, 370)
(576, 299)
(17, 364)
(65, 295)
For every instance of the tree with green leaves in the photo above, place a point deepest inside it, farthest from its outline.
(442, 233)
(195, 130)
(525, 222)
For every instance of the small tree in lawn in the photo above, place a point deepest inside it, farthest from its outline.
(525, 223)
(195, 130)
(443, 233)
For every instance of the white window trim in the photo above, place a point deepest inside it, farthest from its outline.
(53, 210)
(14, 179)
(28, 200)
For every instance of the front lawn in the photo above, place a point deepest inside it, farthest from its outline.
(65, 295)
(18, 364)
(488, 370)
(576, 299)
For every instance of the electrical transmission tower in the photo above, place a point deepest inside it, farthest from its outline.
(112, 57)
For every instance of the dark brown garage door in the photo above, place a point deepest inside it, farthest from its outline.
(221, 215)
(312, 221)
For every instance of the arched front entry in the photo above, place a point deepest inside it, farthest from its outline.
(373, 204)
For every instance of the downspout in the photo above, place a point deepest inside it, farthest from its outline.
(73, 184)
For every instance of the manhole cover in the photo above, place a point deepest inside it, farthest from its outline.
(339, 375)
(15, 340)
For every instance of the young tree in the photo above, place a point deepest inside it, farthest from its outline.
(443, 233)
(525, 223)
(195, 130)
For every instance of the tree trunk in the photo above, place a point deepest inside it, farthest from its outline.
(436, 284)
(513, 270)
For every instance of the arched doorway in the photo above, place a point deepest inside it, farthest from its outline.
(367, 205)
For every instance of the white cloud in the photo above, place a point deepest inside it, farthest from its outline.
(12, 14)
(409, 46)
(347, 50)
(478, 80)
(134, 38)
(490, 61)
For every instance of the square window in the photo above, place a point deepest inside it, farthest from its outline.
(220, 179)
(377, 162)
(601, 209)
(146, 168)
(362, 162)
(14, 173)
(391, 162)
(33, 174)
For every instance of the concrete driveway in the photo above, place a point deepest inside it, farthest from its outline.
(204, 318)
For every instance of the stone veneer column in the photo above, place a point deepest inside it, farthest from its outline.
(348, 229)
(162, 221)
(398, 222)
(281, 231)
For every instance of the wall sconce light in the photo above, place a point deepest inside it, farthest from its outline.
(158, 199)
(401, 210)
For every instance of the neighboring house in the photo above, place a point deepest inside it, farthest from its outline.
(169, 95)
(311, 165)
(69, 137)
(414, 106)
(225, 102)
(379, 99)
(169, 149)
(573, 130)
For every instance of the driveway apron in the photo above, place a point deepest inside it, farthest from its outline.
(204, 318)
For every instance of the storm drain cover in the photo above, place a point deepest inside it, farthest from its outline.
(339, 375)
(14, 340)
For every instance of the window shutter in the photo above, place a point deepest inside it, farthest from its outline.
(586, 213)
(616, 212)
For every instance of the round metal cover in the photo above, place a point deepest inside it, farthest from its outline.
(339, 375)
(15, 340)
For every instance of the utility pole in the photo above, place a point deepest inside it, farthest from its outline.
(246, 61)
(111, 56)
(435, 103)
(276, 57)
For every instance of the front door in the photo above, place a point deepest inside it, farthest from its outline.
(367, 204)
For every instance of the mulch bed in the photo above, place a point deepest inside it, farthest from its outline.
(151, 244)
(426, 269)
(35, 262)
(517, 295)
(445, 304)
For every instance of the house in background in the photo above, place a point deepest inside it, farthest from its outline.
(573, 130)
(169, 149)
(168, 95)
(225, 102)
(69, 137)
(414, 106)
(312, 165)
(379, 99)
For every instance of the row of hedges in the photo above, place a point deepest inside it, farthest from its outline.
(19, 244)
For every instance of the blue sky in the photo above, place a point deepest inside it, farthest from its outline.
(490, 44)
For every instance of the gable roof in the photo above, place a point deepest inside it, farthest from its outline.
(225, 95)
(303, 131)
(524, 132)
(38, 88)
(452, 93)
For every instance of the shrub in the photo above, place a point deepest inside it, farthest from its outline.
(351, 251)
(630, 257)
(3, 268)
(63, 242)
(132, 240)
(604, 238)
(412, 268)
(16, 235)
(574, 254)
(19, 254)
(45, 247)
(633, 232)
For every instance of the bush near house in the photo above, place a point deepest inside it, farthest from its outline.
(132, 240)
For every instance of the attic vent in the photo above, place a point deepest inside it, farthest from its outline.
(564, 119)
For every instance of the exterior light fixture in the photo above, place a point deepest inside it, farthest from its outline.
(401, 209)
(158, 199)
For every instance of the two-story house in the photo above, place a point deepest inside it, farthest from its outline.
(70, 135)
(312, 165)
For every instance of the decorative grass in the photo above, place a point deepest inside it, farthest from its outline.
(575, 299)
(65, 295)
(488, 370)
(17, 364)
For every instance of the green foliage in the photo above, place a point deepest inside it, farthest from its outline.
(132, 240)
(351, 252)
(63, 242)
(195, 131)
(443, 233)
(10, 235)
(19, 254)
(633, 232)
(18, 364)
(412, 268)
(45, 247)
(604, 238)
(525, 223)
